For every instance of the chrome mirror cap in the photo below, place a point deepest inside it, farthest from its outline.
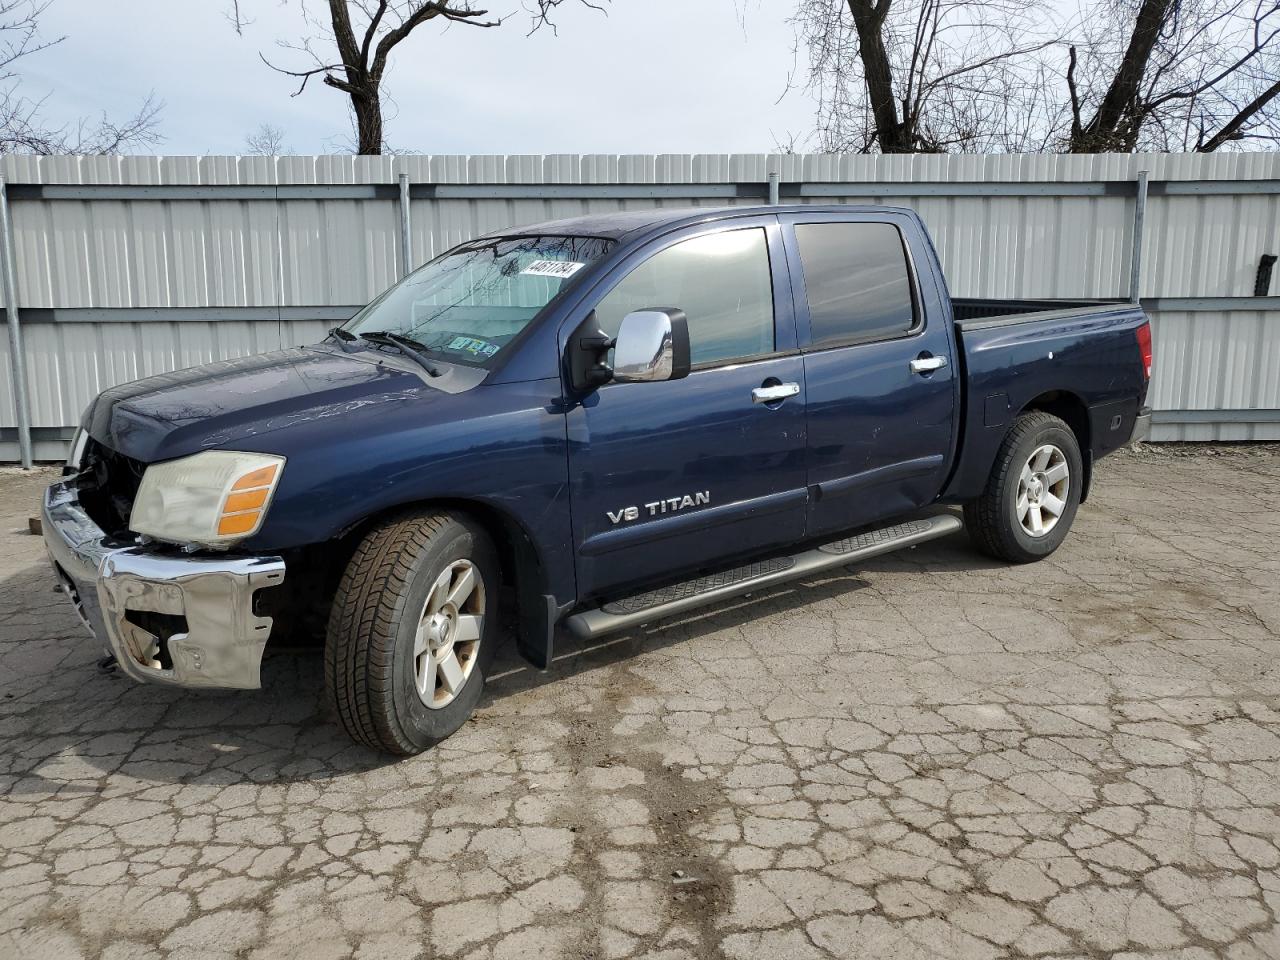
(652, 344)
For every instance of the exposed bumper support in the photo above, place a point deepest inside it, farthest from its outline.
(217, 641)
(1141, 426)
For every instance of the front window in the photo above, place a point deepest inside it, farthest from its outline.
(722, 283)
(467, 305)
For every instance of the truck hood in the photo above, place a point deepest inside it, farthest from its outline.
(218, 404)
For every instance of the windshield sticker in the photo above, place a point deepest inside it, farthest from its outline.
(560, 269)
(477, 348)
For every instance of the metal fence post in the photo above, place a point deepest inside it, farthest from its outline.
(406, 239)
(774, 178)
(1139, 221)
(17, 359)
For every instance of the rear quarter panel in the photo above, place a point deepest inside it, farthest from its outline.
(1091, 355)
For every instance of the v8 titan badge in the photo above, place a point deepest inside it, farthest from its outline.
(658, 507)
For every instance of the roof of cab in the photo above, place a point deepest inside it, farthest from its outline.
(619, 224)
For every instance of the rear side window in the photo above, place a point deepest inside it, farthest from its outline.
(722, 283)
(856, 281)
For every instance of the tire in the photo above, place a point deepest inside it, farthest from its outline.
(1001, 525)
(376, 657)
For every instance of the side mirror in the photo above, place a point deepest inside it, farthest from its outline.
(652, 344)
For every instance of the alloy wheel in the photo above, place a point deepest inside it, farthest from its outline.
(1042, 490)
(449, 632)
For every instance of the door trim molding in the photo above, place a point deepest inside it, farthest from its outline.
(884, 474)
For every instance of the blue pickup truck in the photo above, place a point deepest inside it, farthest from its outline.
(586, 424)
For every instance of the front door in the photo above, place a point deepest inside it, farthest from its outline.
(672, 476)
(879, 367)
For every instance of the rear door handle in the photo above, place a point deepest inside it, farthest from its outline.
(774, 394)
(927, 364)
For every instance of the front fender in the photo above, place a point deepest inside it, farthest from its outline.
(500, 447)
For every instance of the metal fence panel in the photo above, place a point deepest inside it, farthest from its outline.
(1222, 364)
(275, 250)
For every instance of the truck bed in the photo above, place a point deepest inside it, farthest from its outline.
(1078, 359)
(981, 313)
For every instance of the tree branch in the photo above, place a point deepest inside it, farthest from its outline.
(345, 38)
(425, 12)
(238, 20)
(372, 31)
(22, 126)
(988, 61)
(1152, 16)
(542, 18)
(1210, 84)
(1234, 128)
(308, 74)
(1075, 94)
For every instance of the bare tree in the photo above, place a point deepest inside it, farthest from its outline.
(266, 141)
(1002, 75)
(903, 76)
(20, 32)
(24, 130)
(23, 127)
(349, 47)
(1175, 75)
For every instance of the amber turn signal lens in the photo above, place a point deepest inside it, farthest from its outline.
(261, 477)
(250, 500)
(238, 523)
(242, 510)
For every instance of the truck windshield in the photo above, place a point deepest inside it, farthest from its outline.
(467, 305)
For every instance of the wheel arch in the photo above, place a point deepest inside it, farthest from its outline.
(1072, 410)
(513, 542)
(522, 566)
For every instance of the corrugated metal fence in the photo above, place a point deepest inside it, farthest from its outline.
(127, 267)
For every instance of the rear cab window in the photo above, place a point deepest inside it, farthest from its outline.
(857, 282)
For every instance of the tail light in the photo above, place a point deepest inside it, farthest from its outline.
(1144, 345)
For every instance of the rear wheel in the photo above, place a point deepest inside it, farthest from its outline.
(1033, 493)
(412, 632)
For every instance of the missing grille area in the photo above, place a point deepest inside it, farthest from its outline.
(107, 487)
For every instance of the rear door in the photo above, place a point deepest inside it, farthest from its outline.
(668, 477)
(879, 366)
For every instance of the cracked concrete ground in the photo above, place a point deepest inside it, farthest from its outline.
(932, 755)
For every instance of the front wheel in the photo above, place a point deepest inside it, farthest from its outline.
(412, 632)
(1031, 498)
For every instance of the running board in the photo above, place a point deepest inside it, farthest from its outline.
(677, 598)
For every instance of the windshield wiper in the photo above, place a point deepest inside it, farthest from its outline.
(342, 335)
(410, 348)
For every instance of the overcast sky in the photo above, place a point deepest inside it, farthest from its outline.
(651, 76)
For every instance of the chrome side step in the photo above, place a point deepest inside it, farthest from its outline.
(677, 598)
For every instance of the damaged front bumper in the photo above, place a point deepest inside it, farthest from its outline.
(188, 621)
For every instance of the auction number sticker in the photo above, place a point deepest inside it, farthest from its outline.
(560, 269)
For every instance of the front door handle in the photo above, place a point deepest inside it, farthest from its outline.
(774, 393)
(927, 364)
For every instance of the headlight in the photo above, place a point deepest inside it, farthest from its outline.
(213, 498)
